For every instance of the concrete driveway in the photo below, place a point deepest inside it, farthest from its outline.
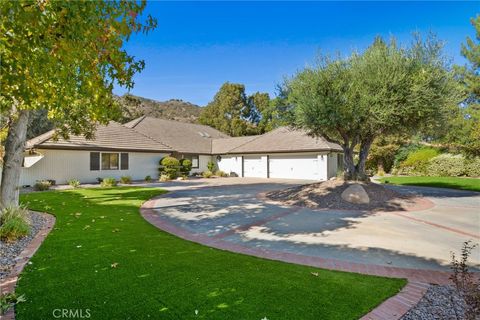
(230, 209)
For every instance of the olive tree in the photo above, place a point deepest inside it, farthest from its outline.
(388, 89)
(64, 57)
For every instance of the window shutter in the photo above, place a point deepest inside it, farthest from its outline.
(124, 161)
(94, 161)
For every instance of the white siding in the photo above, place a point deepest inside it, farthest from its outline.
(332, 164)
(62, 165)
(202, 163)
(230, 164)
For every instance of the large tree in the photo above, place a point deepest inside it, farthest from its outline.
(465, 127)
(63, 57)
(386, 90)
(235, 113)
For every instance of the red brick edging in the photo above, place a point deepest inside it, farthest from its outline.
(8, 285)
(392, 309)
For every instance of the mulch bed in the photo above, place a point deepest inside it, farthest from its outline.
(327, 195)
(9, 251)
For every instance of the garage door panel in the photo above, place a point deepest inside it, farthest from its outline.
(294, 167)
(253, 167)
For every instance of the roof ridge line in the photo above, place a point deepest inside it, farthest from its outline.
(241, 145)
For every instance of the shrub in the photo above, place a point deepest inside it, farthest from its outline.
(99, 180)
(185, 166)
(126, 179)
(472, 167)
(446, 165)
(74, 183)
(169, 166)
(164, 177)
(207, 174)
(42, 185)
(417, 162)
(108, 182)
(8, 300)
(466, 283)
(14, 223)
(403, 153)
(148, 179)
(211, 166)
(220, 173)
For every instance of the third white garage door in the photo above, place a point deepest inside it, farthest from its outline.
(295, 167)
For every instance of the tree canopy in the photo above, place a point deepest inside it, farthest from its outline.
(63, 57)
(388, 89)
(234, 112)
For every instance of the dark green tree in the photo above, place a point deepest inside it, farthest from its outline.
(386, 90)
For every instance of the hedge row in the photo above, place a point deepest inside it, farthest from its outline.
(428, 162)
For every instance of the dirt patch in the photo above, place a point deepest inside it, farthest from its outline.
(327, 195)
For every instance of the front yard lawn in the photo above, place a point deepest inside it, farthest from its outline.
(472, 184)
(103, 256)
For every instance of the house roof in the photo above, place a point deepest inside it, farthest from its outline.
(180, 136)
(113, 136)
(221, 146)
(148, 134)
(282, 139)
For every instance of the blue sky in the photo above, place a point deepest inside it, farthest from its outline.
(197, 46)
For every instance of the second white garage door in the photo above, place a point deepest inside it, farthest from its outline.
(254, 167)
(295, 167)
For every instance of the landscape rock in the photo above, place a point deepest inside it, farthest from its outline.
(355, 194)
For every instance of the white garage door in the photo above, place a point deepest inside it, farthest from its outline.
(295, 167)
(253, 167)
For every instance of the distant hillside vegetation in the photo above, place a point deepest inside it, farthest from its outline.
(173, 109)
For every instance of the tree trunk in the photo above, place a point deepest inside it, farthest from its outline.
(350, 170)
(13, 158)
(356, 171)
(362, 159)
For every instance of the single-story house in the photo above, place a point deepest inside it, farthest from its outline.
(134, 149)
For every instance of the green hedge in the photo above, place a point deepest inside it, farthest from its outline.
(447, 165)
(418, 161)
(170, 167)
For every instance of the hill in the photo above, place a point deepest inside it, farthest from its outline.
(173, 109)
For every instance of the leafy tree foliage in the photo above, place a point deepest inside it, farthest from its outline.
(384, 91)
(237, 114)
(464, 128)
(63, 57)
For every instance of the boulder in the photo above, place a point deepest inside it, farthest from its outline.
(355, 194)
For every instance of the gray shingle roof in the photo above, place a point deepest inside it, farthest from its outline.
(114, 136)
(282, 139)
(180, 136)
(221, 146)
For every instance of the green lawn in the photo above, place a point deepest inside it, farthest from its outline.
(160, 276)
(472, 184)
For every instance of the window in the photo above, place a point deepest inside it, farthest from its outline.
(124, 161)
(194, 159)
(94, 161)
(110, 161)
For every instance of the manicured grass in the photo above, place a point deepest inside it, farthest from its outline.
(472, 184)
(103, 256)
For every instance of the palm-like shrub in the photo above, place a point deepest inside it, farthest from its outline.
(108, 182)
(126, 179)
(14, 223)
(74, 183)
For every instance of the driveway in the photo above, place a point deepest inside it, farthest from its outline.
(230, 210)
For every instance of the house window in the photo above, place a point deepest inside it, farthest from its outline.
(110, 161)
(194, 159)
